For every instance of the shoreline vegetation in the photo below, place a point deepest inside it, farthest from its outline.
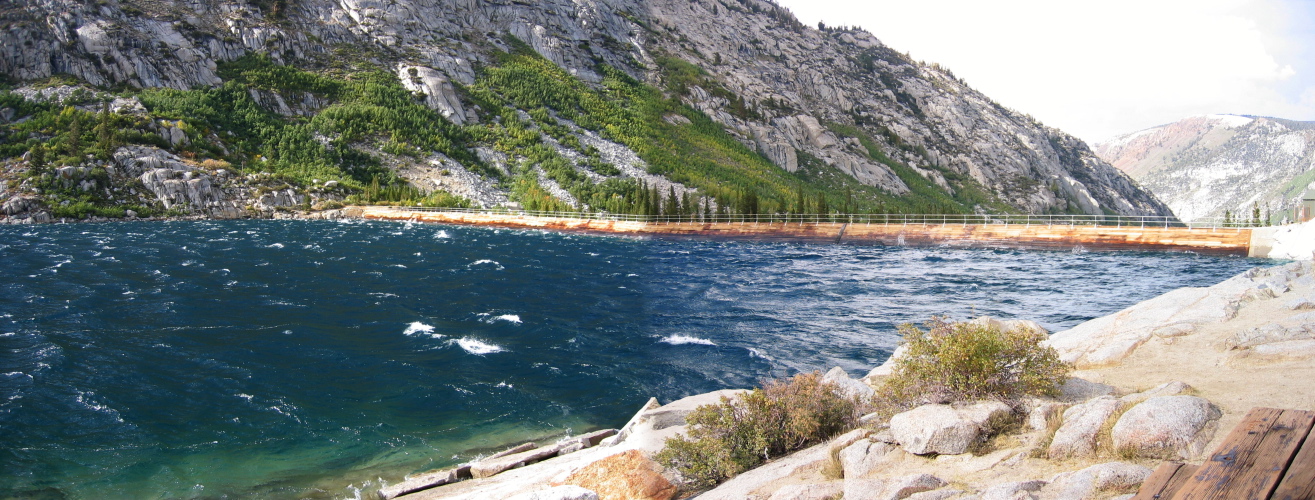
(979, 409)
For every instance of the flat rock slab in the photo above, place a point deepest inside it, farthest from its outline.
(587, 440)
(1289, 349)
(425, 481)
(746, 485)
(491, 466)
(1109, 339)
(568, 492)
(819, 491)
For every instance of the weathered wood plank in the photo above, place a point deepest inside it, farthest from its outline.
(1251, 460)
(1274, 454)
(1167, 479)
(1299, 481)
(1179, 479)
(1230, 456)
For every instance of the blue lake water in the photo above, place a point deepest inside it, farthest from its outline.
(294, 359)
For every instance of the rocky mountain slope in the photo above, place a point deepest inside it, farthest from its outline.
(1205, 166)
(668, 106)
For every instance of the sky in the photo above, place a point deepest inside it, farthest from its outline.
(1098, 69)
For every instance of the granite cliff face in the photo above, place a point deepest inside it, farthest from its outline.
(788, 92)
(1204, 166)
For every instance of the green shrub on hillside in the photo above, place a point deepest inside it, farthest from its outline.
(738, 434)
(967, 361)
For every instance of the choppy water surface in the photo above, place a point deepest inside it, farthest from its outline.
(310, 359)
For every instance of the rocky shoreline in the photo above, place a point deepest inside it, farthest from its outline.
(1161, 380)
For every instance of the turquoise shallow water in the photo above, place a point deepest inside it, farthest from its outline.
(288, 359)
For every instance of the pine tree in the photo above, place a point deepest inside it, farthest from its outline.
(105, 131)
(1255, 214)
(36, 160)
(654, 201)
(751, 205)
(673, 202)
(74, 143)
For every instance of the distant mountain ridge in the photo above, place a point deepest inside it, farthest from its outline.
(1204, 166)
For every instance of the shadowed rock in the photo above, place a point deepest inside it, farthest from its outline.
(1076, 437)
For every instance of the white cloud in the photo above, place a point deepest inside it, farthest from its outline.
(1098, 69)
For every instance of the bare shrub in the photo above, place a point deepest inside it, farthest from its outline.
(738, 434)
(969, 361)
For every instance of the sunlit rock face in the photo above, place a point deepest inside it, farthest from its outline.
(789, 86)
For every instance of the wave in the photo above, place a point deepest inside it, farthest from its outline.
(85, 400)
(510, 318)
(686, 339)
(275, 245)
(421, 328)
(441, 235)
(477, 347)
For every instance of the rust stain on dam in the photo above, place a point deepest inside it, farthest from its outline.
(1211, 241)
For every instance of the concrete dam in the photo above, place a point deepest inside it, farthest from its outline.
(1015, 232)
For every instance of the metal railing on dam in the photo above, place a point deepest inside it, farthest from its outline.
(1036, 232)
(887, 218)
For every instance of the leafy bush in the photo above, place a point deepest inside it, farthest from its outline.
(738, 434)
(83, 209)
(966, 361)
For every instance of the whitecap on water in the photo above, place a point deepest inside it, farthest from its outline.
(441, 235)
(417, 327)
(478, 347)
(85, 399)
(510, 318)
(275, 245)
(487, 262)
(685, 339)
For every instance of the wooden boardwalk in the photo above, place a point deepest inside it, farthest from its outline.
(1269, 455)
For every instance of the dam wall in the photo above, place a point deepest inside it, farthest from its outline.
(1039, 236)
